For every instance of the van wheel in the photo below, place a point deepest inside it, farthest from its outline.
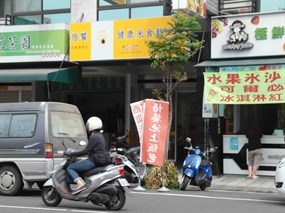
(10, 181)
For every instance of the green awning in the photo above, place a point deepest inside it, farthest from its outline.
(63, 75)
(247, 62)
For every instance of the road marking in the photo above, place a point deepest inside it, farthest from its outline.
(31, 208)
(50, 209)
(209, 197)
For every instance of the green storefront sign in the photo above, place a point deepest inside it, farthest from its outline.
(33, 43)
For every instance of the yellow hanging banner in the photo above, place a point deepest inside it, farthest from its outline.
(262, 87)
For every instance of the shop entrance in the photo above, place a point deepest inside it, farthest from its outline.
(184, 124)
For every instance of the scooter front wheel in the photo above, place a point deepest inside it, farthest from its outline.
(185, 182)
(50, 196)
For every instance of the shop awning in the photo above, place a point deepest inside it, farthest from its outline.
(247, 62)
(63, 75)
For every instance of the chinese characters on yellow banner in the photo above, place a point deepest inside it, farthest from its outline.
(262, 87)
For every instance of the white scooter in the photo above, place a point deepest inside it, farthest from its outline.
(105, 186)
(280, 177)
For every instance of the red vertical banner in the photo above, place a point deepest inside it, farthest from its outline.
(154, 134)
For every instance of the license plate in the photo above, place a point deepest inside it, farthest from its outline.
(123, 182)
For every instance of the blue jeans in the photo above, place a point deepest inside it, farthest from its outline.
(73, 169)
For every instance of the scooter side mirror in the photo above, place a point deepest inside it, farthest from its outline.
(188, 140)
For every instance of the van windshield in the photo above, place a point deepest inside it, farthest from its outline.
(67, 124)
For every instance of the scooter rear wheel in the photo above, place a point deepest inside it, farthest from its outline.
(185, 182)
(117, 201)
(50, 196)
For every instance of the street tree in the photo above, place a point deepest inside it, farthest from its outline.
(174, 47)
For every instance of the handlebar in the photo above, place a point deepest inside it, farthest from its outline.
(197, 150)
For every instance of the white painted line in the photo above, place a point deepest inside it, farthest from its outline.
(31, 208)
(51, 209)
(210, 197)
(88, 211)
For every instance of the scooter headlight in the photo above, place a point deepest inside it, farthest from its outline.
(197, 152)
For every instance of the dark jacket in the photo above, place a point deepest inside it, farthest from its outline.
(96, 146)
(253, 135)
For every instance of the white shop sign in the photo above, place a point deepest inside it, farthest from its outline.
(257, 34)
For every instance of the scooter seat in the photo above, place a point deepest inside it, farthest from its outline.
(96, 170)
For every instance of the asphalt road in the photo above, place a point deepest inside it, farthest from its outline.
(174, 201)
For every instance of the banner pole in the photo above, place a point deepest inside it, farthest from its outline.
(163, 188)
(139, 187)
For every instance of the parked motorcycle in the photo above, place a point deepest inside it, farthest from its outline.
(120, 145)
(196, 167)
(121, 153)
(280, 177)
(105, 186)
(133, 168)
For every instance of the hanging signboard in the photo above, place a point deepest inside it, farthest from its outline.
(263, 87)
(30, 43)
(250, 35)
(119, 39)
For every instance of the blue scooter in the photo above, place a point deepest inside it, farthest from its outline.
(196, 168)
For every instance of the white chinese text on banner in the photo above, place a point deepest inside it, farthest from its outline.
(154, 132)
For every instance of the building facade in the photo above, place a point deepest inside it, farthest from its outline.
(119, 82)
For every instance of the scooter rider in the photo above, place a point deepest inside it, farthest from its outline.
(96, 151)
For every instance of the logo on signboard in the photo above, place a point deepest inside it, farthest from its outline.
(238, 39)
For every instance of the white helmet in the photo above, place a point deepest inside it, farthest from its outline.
(93, 123)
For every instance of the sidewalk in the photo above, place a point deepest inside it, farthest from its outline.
(241, 183)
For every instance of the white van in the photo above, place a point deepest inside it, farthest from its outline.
(33, 137)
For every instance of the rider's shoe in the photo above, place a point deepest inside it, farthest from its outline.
(79, 189)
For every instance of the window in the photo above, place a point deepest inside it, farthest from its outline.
(26, 5)
(269, 6)
(112, 2)
(124, 2)
(143, 1)
(25, 12)
(128, 9)
(146, 12)
(66, 124)
(4, 125)
(56, 4)
(23, 125)
(115, 14)
(23, 20)
(57, 18)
